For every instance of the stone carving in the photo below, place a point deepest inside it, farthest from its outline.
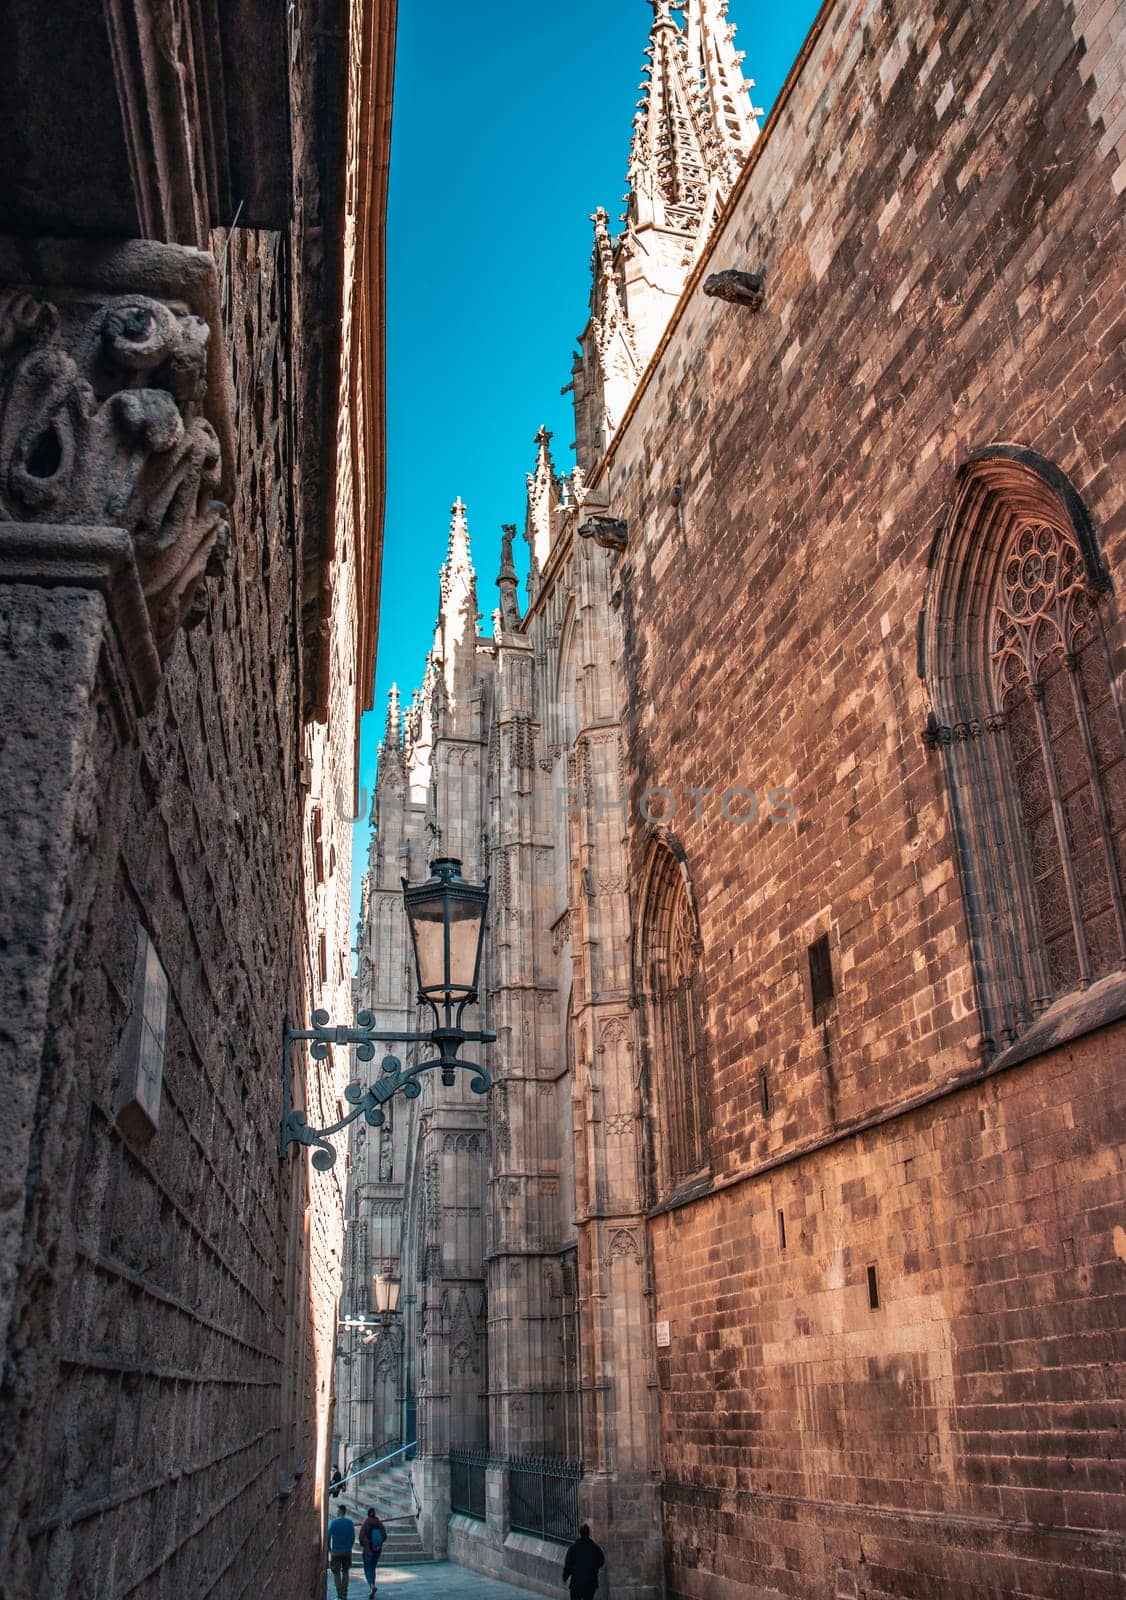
(386, 1155)
(615, 1029)
(611, 533)
(1042, 605)
(100, 426)
(501, 1126)
(623, 1243)
(433, 1182)
(502, 881)
(523, 750)
(462, 1141)
(738, 288)
(464, 1358)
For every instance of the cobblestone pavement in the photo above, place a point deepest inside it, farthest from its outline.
(432, 1580)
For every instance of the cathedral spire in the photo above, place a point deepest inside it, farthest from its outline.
(711, 48)
(459, 559)
(691, 136)
(668, 165)
(391, 765)
(393, 731)
(545, 496)
(695, 123)
(457, 579)
(455, 634)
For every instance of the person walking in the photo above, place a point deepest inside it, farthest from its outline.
(583, 1563)
(373, 1536)
(341, 1538)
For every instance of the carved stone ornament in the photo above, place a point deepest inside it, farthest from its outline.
(736, 287)
(108, 419)
(611, 533)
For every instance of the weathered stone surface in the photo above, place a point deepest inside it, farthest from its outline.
(106, 410)
(939, 223)
(168, 1288)
(868, 1347)
(133, 119)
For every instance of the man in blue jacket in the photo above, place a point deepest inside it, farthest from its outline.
(341, 1538)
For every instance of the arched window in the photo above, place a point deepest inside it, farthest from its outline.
(669, 956)
(1027, 715)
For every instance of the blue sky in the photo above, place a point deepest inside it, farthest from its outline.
(511, 123)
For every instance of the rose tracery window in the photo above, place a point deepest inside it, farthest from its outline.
(669, 949)
(1027, 713)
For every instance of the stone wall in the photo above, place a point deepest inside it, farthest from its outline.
(962, 1437)
(935, 204)
(177, 801)
(865, 1348)
(161, 1376)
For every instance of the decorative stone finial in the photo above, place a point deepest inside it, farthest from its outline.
(545, 495)
(508, 613)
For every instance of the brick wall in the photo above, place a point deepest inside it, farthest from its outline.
(935, 207)
(960, 1439)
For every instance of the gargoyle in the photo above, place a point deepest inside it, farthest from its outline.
(609, 532)
(740, 288)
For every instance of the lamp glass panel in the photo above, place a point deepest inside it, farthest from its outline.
(428, 924)
(465, 932)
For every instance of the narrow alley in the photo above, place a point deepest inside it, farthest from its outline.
(432, 1580)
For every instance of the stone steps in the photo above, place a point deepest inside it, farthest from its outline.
(389, 1490)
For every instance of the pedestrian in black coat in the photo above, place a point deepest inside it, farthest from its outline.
(582, 1566)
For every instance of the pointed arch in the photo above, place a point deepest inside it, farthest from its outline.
(1027, 714)
(668, 976)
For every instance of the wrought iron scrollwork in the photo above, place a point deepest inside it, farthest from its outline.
(368, 1100)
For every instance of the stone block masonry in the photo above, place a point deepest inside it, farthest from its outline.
(160, 1383)
(802, 1166)
(189, 553)
(936, 209)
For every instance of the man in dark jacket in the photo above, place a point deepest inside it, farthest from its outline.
(582, 1566)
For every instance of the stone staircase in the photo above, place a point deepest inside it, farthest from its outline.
(389, 1490)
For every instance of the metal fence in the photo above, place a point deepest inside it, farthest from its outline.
(467, 1482)
(543, 1496)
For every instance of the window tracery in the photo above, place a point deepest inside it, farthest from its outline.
(670, 952)
(1028, 716)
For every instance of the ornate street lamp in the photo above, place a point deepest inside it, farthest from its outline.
(446, 917)
(386, 1287)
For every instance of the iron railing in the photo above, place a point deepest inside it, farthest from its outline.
(467, 1482)
(543, 1497)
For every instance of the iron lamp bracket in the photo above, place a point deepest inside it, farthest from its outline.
(368, 1100)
